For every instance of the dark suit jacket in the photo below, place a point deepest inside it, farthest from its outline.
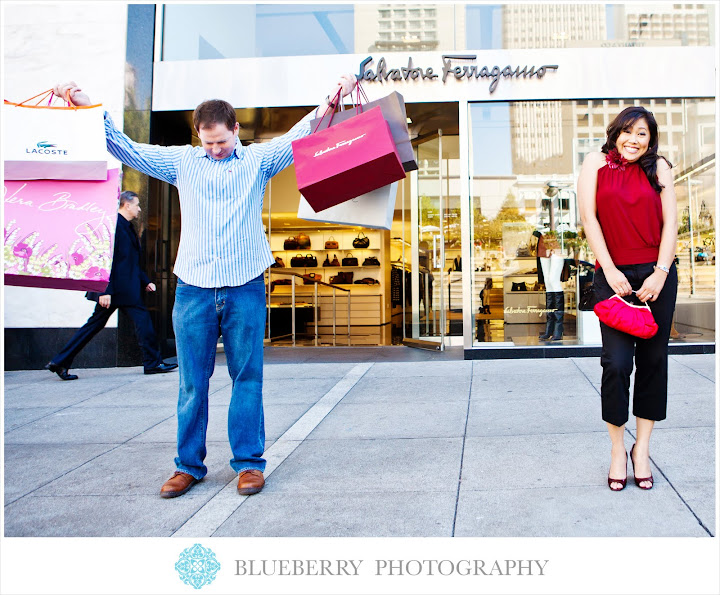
(127, 279)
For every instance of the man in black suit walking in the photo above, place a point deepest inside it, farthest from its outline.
(124, 291)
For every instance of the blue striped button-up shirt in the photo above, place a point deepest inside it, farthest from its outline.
(222, 241)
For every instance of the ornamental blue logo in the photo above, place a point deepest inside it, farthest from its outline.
(43, 144)
(197, 566)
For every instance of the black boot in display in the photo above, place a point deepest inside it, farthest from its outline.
(549, 317)
(559, 315)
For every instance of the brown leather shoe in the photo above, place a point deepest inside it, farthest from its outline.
(177, 485)
(250, 482)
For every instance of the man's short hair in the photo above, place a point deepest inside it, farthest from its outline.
(212, 112)
(126, 197)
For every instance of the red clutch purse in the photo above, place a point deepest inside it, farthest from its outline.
(628, 318)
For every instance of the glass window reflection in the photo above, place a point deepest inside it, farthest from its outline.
(524, 161)
(214, 31)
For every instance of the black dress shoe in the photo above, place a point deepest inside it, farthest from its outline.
(161, 368)
(60, 371)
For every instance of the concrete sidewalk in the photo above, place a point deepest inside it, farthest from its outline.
(502, 448)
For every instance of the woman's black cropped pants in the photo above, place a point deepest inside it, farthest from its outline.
(651, 355)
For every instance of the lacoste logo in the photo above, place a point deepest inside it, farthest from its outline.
(45, 147)
(339, 144)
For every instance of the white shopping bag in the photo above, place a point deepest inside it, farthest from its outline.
(54, 143)
(374, 209)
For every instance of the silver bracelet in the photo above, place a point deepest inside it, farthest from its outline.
(662, 268)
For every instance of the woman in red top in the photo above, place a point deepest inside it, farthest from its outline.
(628, 208)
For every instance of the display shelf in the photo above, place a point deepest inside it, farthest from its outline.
(366, 300)
(293, 269)
(304, 250)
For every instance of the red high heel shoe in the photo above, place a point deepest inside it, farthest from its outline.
(622, 482)
(639, 480)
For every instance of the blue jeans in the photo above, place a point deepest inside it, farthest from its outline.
(200, 316)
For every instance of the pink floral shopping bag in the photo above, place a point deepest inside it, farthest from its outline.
(60, 233)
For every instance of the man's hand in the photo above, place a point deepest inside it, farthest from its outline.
(76, 94)
(150, 287)
(345, 85)
(104, 301)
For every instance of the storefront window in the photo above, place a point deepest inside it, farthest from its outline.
(525, 158)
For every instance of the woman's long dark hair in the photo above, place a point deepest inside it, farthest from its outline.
(625, 120)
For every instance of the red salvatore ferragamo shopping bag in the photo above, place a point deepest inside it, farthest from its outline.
(393, 109)
(344, 161)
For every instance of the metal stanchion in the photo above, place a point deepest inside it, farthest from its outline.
(292, 309)
(348, 302)
(334, 295)
(315, 304)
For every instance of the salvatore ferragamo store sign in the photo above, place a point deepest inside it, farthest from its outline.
(450, 76)
(457, 66)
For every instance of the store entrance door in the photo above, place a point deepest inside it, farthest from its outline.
(431, 267)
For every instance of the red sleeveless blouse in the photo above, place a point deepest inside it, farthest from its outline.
(629, 211)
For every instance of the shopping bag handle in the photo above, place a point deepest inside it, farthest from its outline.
(332, 106)
(358, 101)
(50, 95)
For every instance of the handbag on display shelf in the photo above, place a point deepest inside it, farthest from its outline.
(279, 282)
(349, 261)
(342, 278)
(627, 318)
(310, 260)
(331, 244)
(523, 250)
(519, 286)
(334, 263)
(310, 278)
(278, 263)
(367, 281)
(361, 241)
(297, 261)
(291, 243)
(371, 261)
(303, 240)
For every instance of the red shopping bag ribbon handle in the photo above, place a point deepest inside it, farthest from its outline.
(332, 107)
(335, 104)
(358, 102)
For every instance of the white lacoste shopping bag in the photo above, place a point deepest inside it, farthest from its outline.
(43, 142)
(374, 209)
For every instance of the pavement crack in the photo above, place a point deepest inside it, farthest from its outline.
(462, 456)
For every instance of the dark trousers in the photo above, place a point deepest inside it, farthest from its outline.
(98, 320)
(651, 355)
